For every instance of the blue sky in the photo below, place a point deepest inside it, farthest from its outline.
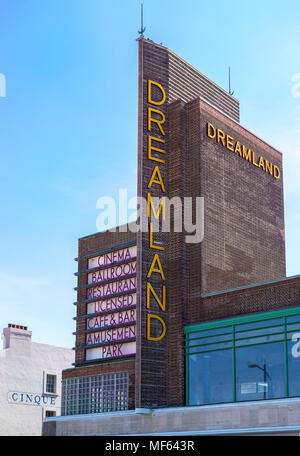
(68, 125)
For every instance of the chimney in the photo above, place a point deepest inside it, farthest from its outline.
(16, 336)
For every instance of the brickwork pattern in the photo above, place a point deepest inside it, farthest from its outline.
(244, 222)
(244, 210)
(258, 299)
(186, 83)
(151, 360)
(244, 227)
(87, 246)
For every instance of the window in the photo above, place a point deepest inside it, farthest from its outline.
(293, 350)
(260, 372)
(210, 378)
(49, 413)
(50, 384)
(249, 358)
(95, 394)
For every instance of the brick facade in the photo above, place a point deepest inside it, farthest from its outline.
(182, 84)
(87, 247)
(244, 216)
(243, 219)
(280, 294)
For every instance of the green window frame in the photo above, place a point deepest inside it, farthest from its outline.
(234, 338)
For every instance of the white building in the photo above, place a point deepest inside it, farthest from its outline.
(30, 382)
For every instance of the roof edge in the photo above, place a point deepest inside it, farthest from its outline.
(246, 287)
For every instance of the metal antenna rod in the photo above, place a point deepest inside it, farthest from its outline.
(141, 32)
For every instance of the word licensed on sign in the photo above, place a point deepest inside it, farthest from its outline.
(112, 304)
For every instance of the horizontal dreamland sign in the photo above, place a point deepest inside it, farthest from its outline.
(112, 288)
(113, 257)
(112, 273)
(113, 351)
(244, 152)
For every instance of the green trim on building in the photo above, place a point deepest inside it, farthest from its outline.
(243, 319)
(233, 340)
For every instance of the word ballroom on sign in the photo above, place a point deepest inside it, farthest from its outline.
(115, 272)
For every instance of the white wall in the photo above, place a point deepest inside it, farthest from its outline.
(23, 367)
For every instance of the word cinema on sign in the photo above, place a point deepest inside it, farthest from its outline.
(111, 322)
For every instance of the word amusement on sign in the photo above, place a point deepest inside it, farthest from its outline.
(155, 121)
(247, 154)
(111, 335)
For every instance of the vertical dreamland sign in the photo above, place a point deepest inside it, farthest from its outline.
(152, 312)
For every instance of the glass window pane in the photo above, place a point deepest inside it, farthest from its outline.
(295, 318)
(259, 324)
(294, 363)
(211, 332)
(294, 327)
(260, 372)
(206, 348)
(259, 340)
(209, 340)
(259, 332)
(50, 383)
(210, 378)
(96, 394)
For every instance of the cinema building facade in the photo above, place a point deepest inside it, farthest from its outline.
(173, 335)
